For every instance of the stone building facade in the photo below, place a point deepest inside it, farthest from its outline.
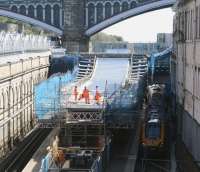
(185, 69)
(17, 80)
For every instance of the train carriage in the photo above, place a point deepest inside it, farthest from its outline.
(153, 128)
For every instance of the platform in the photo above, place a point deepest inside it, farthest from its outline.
(35, 162)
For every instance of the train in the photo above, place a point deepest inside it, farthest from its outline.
(153, 133)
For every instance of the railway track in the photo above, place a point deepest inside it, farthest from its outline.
(155, 165)
(25, 151)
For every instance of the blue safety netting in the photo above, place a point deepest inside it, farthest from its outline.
(47, 94)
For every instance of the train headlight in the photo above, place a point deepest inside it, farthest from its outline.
(161, 144)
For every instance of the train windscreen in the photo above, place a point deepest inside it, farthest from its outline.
(152, 130)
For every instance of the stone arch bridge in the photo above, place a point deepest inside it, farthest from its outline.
(77, 20)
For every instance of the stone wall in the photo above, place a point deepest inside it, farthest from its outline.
(17, 82)
(186, 81)
(74, 26)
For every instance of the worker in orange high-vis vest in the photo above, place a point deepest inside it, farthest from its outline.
(86, 95)
(97, 96)
(75, 93)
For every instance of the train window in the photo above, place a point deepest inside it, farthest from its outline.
(152, 130)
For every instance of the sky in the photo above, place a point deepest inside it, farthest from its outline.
(143, 28)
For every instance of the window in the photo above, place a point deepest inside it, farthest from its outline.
(197, 23)
(152, 130)
(191, 24)
(198, 86)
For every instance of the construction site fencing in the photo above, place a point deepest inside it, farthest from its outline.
(19, 43)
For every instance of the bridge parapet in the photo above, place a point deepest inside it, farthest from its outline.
(97, 11)
(50, 12)
(101, 14)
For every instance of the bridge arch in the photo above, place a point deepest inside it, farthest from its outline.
(125, 6)
(99, 12)
(22, 10)
(116, 8)
(108, 10)
(56, 15)
(14, 8)
(26, 19)
(119, 16)
(91, 14)
(90, 3)
(39, 10)
(31, 12)
(133, 4)
(48, 14)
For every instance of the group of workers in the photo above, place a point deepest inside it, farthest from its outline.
(86, 95)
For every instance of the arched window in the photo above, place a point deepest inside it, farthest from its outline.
(31, 11)
(116, 7)
(56, 15)
(108, 12)
(14, 9)
(133, 4)
(99, 12)
(17, 97)
(40, 12)
(48, 14)
(12, 98)
(124, 6)
(2, 105)
(6, 99)
(91, 20)
(22, 10)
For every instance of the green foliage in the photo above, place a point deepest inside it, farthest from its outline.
(27, 28)
(7, 20)
(103, 37)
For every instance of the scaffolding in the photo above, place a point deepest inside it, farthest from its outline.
(85, 127)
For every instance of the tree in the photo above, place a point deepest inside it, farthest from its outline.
(103, 37)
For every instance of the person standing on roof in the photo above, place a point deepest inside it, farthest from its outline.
(86, 95)
(97, 96)
(75, 92)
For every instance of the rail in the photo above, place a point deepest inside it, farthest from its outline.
(25, 153)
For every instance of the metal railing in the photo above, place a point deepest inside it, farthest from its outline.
(13, 43)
